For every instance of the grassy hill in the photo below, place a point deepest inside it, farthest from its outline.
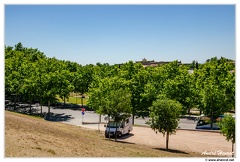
(27, 136)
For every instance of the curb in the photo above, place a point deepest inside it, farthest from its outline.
(93, 123)
(199, 130)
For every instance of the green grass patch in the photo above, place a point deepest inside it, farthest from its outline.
(73, 100)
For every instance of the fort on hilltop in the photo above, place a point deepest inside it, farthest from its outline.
(146, 62)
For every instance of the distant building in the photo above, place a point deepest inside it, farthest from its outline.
(146, 62)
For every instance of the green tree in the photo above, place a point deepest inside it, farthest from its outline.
(164, 114)
(181, 88)
(29, 89)
(19, 47)
(227, 127)
(111, 97)
(216, 86)
(159, 76)
(138, 77)
(172, 80)
(83, 78)
(137, 85)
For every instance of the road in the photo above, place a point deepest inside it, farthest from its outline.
(91, 117)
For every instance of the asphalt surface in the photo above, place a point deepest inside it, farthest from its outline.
(90, 118)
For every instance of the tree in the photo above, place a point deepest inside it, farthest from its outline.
(138, 83)
(29, 88)
(19, 47)
(64, 85)
(112, 97)
(227, 127)
(173, 81)
(138, 76)
(164, 114)
(159, 76)
(20, 73)
(216, 87)
(119, 104)
(83, 78)
(181, 89)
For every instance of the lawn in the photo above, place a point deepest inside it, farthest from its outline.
(74, 100)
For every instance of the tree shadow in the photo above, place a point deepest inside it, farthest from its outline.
(113, 140)
(125, 142)
(57, 117)
(126, 136)
(172, 150)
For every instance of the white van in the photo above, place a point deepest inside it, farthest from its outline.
(123, 127)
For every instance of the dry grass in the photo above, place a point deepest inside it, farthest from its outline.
(27, 136)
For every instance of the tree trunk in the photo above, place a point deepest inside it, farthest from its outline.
(133, 119)
(232, 149)
(189, 110)
(116, 133)
(48, 107)
(212, 114)
(109, 129)
(211, 122)
(167, 138)
(41, 106)
(82, 100)
(30, 110)
(14, 107)
(99, 122)
(64, 100)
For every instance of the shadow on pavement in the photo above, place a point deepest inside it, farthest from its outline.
(58, 117)
(123, 136)
(171, 150)
(126, 136)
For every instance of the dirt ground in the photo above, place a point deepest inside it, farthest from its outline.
(194, 141)
(184, 140)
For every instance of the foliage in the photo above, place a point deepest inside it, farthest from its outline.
(137, 76)
(110, 97)
(227, 127)
(164, 114)
(30, 77)
(216, 86)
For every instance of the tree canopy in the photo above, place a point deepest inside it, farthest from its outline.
(31, 76)
(227, 127)
(165, 114)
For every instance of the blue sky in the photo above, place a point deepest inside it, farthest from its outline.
(88, 34)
